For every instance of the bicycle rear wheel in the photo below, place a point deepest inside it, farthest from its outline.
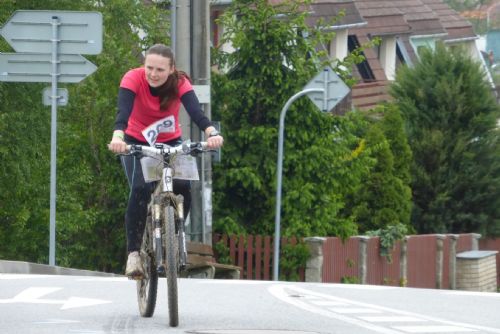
(171, 262)
(148, 285)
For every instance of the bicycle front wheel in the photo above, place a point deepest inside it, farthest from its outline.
(171, 262)
(147, 286)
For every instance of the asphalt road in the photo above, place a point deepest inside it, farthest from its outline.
(75, 304)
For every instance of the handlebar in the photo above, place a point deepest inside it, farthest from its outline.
(161, 150)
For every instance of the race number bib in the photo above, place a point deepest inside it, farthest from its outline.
(184, 166)
(152, 132)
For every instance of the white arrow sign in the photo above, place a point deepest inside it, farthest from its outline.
(37, 67)
(31, 31)
(33, 296)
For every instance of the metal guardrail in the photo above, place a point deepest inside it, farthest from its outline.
(18, 267)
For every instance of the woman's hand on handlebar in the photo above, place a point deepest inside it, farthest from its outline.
(117, 145)
(213, 141)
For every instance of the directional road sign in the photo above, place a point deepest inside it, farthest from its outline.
(48, 45)
(37, 67)
(334, 89)
(31, 31)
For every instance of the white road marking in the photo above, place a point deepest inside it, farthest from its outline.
(397, 318)
(353, 310)
(75, 302)
(33, 295)
(327, 303)
(56, 322)
(434, 329)
(280, 292)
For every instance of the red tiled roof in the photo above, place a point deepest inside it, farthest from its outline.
(456, 26)
(383, 17)
(328, 11)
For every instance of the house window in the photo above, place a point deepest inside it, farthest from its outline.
(216, 29)
(402, 57)
(363, 68)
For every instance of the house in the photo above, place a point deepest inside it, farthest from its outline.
(402, 26)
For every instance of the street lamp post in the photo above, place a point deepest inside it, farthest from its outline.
(321, 91)
(279, 172)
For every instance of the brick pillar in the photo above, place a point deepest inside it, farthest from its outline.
(403, 262)
(439, 260)
(314, 265)
(477, 271)
(475, 241)
(362, 268)
(453, 261)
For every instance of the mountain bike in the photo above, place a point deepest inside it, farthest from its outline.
(163, 249)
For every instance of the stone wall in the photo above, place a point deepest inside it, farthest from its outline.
(476, 271)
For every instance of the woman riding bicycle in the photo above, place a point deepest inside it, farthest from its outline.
(149, 100)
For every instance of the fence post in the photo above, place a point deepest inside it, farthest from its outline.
(314, 265)
(475, 241)
(453, 261)
(439, 260)
(362, 268)
(403, 262)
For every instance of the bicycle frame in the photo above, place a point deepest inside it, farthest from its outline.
(164, 239)
(162, 195)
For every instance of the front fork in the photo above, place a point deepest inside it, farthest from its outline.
(182, 232)
(157, 229)
(158, 247)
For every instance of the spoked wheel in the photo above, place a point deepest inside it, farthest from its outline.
(171, 262)
(147, 287)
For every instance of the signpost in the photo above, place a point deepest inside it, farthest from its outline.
(326, 90)
(48, 46)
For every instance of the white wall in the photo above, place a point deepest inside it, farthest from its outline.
(387, 56)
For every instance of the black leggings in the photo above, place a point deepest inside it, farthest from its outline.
(140, 194)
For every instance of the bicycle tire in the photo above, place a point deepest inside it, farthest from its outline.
(147, 287)
(171, 262)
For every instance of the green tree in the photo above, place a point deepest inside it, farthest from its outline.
(91, 190)
(451, 118)
(384, 199)
(323, 160)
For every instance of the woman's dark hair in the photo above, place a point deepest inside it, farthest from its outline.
(169, 90)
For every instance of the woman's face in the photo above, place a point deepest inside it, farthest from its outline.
(157, 69)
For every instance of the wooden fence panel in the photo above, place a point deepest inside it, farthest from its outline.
(340, 260)
(464, 243)
(249, 257)
(421, 252)
(382, 270)
(445, 284)
(267, 258)
(254, 254)
(258, 257)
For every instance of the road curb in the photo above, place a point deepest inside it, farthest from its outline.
(19, 267)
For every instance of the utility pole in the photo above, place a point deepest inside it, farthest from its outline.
(191, 35)
(201, 208)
